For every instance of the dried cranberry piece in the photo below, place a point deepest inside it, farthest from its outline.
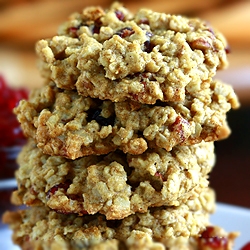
(208, 238)
(143, 79)
(148, 46)
(119, 15)
(159, 175)
(94, 114)
(26, 238)
(143, 21)
(73, 31)
(96, 29)
(134, 96)
(246, 247)
(55, 188)
(228, 49)
(125, 32)
(178, 127)
(65, 185)
(96, 26)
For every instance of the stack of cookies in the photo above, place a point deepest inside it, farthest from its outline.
(121, 135)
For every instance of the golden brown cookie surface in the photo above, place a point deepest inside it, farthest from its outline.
(158, 228)
(67, 124)
(116, 184)
(145, 57)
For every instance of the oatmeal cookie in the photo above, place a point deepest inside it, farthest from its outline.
(147, 56)
(70, 125)
(116, 184)
(158, 228)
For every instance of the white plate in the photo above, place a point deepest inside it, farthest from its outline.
(231, 218)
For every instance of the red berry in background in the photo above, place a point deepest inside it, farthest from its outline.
(11, 136)
(246, 247)
(209, 239)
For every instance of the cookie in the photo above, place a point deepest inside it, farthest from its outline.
(147, 56)
(116, 184)
(158, 228)
(70, 125)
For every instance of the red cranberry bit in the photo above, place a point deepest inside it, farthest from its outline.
(157, 174)
(160, 176)
(119, 15)
(143, 78)
(178, 126)
(96, 29)
(246, 247)
(26, 238)
(148, 46)
(134, 97)
(125, 32)
(55, 188)
(64, 186)
(207, 233)
(33, 191)
(208, 238)
(228, 49)
(143, 21)
(73, 31)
